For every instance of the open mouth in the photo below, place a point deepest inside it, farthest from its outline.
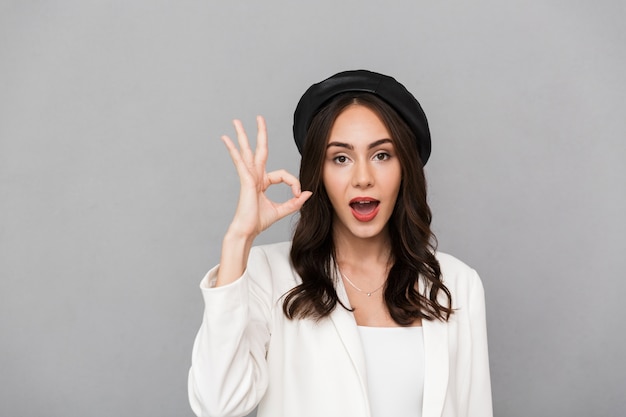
(364, 209)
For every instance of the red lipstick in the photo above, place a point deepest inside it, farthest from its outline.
(364, 209)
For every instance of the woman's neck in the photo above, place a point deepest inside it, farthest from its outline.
(353, 250)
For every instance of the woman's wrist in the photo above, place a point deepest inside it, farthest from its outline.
(235, 250)
(237, 235)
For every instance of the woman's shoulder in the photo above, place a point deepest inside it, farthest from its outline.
(275, 252)
(457, 273)
(452, 263)
(269, 265)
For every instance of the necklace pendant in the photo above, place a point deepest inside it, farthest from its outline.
(369, 294)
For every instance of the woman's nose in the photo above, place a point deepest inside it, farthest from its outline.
(362, 176)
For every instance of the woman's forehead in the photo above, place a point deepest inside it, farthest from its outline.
(358, 124)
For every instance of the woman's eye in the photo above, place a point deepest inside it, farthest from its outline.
(381, 156)
(341, 159)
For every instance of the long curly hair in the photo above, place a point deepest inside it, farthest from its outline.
(412, 241)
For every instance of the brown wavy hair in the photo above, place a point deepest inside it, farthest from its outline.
(412, 241)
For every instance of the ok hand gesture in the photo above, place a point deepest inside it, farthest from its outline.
(255, 211)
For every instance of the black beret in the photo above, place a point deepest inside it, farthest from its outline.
(383, 86)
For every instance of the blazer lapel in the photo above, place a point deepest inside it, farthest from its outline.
(436, 367)
(348, 332)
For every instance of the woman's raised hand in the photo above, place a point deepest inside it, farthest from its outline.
(255, 211)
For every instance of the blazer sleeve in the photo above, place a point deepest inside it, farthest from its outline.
(228, 375)
(479, 401)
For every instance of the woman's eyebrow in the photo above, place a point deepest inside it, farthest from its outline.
(378, 143)
(341, 145)
(350, 147)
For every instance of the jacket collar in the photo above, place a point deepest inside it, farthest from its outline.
(436, 368)
(346, 327)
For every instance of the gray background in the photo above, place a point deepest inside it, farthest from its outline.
(115, 188)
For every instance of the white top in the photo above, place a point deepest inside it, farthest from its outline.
(394, 360)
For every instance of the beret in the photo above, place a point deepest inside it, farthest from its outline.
(383, 86)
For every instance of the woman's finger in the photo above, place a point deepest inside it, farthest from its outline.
(282, 176)
(240, 165)
(292, 205)
(232, 149)
(244, 144)
(260, 154)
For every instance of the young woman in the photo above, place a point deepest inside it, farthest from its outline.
(358, 315)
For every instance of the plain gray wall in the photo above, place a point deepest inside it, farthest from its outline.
(115, 188)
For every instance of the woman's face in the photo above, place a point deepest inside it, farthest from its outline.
(361, 174)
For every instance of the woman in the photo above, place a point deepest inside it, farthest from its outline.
(358, 315)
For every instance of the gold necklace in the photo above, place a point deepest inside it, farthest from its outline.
(369, 293)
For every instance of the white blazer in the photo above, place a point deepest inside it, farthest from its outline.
(247, 352)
